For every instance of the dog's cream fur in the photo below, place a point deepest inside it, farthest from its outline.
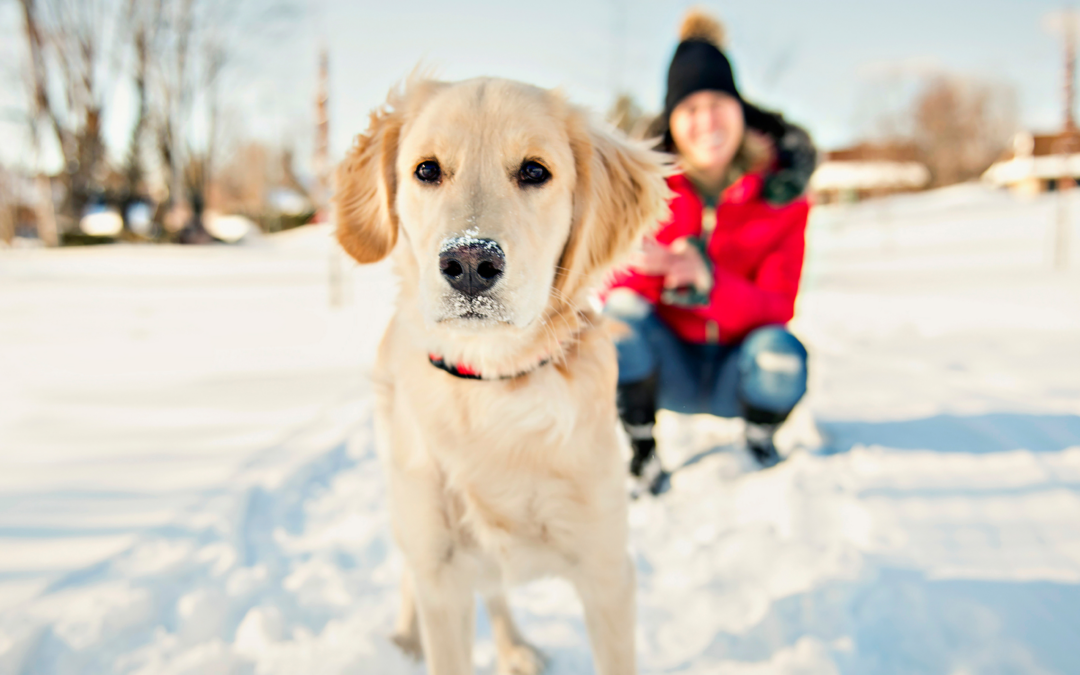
(496, 482)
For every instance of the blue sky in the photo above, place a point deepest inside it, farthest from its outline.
(826, 64)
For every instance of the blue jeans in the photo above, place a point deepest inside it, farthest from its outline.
(761, 378)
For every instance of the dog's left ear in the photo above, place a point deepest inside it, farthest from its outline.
(621, 194)
(366, 182)
(367, 225)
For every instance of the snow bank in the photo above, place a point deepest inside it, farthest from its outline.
(188, 484)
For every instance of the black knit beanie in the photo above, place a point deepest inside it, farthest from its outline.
(698, 65)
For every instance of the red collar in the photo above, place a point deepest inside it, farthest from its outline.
(467, 372)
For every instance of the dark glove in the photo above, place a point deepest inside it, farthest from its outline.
(796, 156)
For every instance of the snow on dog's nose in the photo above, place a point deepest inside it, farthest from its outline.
(470, 265)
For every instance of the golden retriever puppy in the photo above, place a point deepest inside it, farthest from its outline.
(495, 382)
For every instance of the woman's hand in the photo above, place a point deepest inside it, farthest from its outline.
(680, 264)
(652, 258)
(686, 268)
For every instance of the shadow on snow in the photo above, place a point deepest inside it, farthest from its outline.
(975, 434)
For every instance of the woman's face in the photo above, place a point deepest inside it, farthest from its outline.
(707, 127)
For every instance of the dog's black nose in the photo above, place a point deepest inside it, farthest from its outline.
(472, 266)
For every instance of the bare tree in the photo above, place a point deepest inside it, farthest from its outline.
(957, 126)
(961, 126)
(74, 60)
(195, 44)
(245, 182)
(174, 54)
(627, 115)
(143, 27)
(7, 207)
(182, 84)
(250, 175)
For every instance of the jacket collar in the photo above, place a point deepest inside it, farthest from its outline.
(746, 189)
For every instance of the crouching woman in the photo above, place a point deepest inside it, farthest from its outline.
(707, 297)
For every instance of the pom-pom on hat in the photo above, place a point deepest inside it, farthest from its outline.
(699, 64)
(702, 26)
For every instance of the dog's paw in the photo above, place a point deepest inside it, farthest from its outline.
(520, 659)
(409, 644)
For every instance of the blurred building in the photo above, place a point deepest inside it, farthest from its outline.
(1046, 162)
(868, 170)
(1038, 163)
(28, 206)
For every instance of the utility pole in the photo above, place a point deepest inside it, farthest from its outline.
(320, 160)
(320, 165)
(1067, 145)
(618, 48)
(1070, 72)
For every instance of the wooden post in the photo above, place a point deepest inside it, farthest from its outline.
(1061, 234)
(46, 213)
(1067, 150)
(337, 278)
(7, 207)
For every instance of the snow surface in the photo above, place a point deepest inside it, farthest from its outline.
(188, 485)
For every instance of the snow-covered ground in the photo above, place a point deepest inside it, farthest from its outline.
(188, 485)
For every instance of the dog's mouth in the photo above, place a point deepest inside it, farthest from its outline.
(473, 310)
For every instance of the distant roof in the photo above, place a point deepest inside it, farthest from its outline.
(874, 175)
(1026, 144)
(875, 152)
(1048, 167)
(1043, 156)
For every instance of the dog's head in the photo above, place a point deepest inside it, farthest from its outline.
(509, 201)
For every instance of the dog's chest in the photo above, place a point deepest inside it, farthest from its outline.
(478, 421)
(522, 463)
(514, 461)
(531, 530)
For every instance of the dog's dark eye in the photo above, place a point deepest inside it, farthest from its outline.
(533, 173)
(429, 171)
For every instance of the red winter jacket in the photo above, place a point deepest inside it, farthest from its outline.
(757, 255)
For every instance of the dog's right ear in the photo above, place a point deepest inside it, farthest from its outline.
(621, 194)
(366, 184)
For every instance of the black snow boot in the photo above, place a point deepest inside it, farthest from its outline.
(759, 441)
(761, 427)
(637, 410)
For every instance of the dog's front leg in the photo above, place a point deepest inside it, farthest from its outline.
(444, 598)
(407, 628)
(440, 582)
(514, 655)
(607, 593)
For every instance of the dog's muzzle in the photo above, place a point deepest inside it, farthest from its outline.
(470, 265)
